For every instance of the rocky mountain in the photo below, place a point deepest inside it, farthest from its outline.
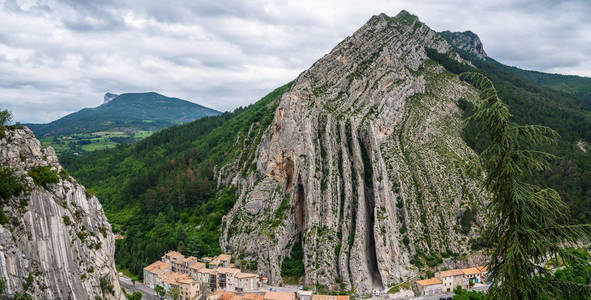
(130, 111)
(465, 41)
(55, 241)
(108, 97)
(364, 163)
(357, 175)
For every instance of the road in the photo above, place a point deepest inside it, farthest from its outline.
(130, 288)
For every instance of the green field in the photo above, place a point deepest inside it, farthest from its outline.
(88, 142)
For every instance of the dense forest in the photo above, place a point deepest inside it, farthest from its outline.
(566, 111)
(161, 192)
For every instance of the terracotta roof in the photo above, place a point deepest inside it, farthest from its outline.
(482, 268)
(279, 296)
(197, 265)
(185, 280)
(471, 271)
(188, 259)
(430, 281)
(157, 267)
(245, 275)
(207, 271)
(206, 258)
(251, 296)
(170, 277)
(228, 270)
(454, 272)
(174, 255)
(226, 257)
(329, 297)
(223, 295)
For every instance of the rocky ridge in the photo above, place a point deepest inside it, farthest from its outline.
(57, 242)
(363, 163)
(466, 41)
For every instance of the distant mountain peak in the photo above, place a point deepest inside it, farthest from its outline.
(467, 41)
(109, 96)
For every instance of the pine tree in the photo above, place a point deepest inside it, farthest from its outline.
(528, 222)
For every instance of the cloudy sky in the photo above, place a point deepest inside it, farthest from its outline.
(57, 57)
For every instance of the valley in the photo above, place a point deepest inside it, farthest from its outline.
(76, 144)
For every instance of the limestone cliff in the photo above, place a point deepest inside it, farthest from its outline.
(466, 41)
(364, 162)
(55, 242)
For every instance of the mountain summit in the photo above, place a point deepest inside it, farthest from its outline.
(466, 41)
(108, 97)
(363, 164)
(129, 111)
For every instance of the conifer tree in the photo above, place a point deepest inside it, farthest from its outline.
(528, 222)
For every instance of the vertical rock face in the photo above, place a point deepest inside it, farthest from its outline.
(363, 162)
(57, 243)
(467, 41)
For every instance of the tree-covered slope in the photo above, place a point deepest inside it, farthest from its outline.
(162, 192)
(572, 84)
(137, 111)
(566, 110)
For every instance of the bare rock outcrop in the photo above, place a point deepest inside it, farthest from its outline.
(56, 242)
(363, 163)
(466, 41)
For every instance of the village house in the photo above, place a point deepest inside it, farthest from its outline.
(428, 287)
(194, 269)
(226, 277)
(188, 287)
(171, 256)
(483, 273)
(182, 264)
(452, 279)
(472, 274)
(152, 272)
(207, 279)
(304, 295)
(222, 260)
(246, 282)
(168, 279)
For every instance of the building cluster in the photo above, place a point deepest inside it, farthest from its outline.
(447, 281)
(272, 295)
(194, 277)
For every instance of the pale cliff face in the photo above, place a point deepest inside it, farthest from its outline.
(65, 261)
(365, 150)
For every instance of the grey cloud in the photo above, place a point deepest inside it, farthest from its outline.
(57, 57)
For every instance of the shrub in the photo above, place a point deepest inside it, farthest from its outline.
(44, 176)
(10, 185)
(466, 221)
(67, 220)
(23, 296)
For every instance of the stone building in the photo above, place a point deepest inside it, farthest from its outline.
(428, 287)
(153, 271)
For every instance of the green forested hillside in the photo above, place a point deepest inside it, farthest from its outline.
(568, 112)
(125, 119)
(141, 111)
(161, 192)
(575, 85)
